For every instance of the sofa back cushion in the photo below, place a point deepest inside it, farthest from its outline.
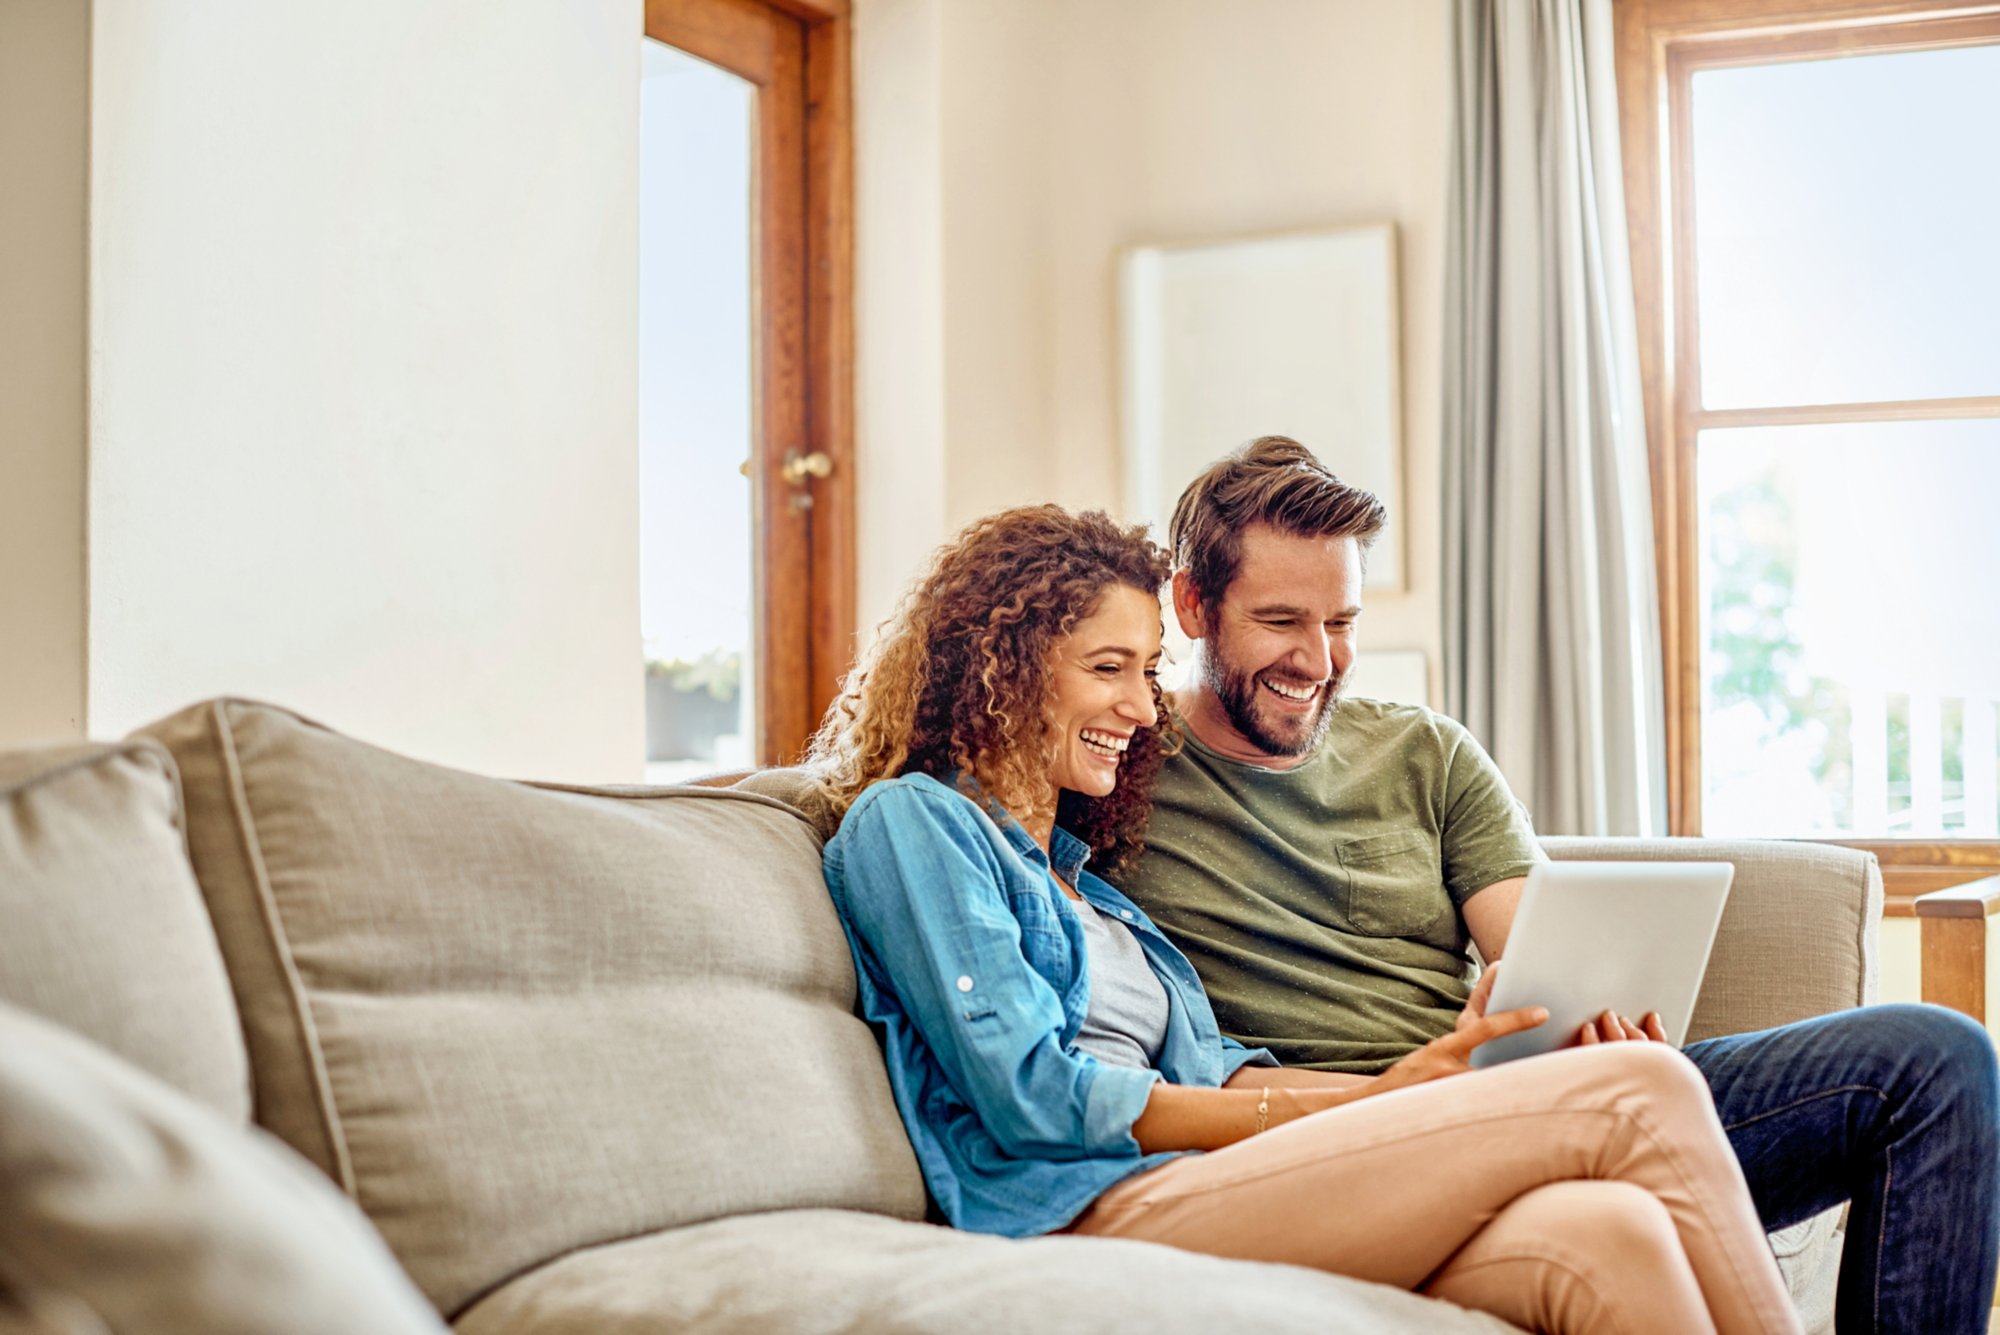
(101, 926)
(515, 1020)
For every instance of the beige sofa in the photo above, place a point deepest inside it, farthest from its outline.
(554, 1059)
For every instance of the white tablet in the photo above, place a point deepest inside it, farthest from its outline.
(1631, 937)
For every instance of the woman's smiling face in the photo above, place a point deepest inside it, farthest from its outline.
(1101, 689)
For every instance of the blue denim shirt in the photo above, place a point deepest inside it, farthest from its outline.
(973, 966)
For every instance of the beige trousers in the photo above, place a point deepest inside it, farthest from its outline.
(1587, 1190)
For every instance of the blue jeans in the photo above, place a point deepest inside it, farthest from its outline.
(1896, 1109)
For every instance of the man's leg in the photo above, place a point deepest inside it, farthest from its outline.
(1896, 1109)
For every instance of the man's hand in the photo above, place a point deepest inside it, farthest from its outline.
(1613, 1028)
(1452, 1054)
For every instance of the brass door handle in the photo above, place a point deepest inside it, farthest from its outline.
(798, 467)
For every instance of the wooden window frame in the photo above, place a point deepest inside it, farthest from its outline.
(1660, 44)
(798, 53)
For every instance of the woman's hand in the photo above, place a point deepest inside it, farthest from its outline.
(1482, 992)
(1452, 1054)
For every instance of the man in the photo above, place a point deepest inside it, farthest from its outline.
(1327, 864)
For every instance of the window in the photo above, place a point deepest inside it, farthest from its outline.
(1814, 191)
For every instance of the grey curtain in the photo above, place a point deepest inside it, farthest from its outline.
(1551, 635)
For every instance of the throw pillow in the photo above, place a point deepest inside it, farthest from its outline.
(127, 1206)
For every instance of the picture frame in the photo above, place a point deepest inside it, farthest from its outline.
(1287, 333)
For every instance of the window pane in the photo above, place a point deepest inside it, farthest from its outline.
(1851, 629)
(1846, 216)
(696, 576)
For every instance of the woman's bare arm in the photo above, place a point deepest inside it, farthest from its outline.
(1185, 1117)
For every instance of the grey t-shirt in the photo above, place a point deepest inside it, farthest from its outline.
(1127, 1019)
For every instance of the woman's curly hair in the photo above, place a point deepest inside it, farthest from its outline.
(957, 684)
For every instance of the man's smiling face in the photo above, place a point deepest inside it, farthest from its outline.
(1275, 648)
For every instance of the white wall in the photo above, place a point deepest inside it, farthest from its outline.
(899, 295)
(44, 114)
(1064, 132)
(363, 338)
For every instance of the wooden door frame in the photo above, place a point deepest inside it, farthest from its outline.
(1659, 45)
(798, 54)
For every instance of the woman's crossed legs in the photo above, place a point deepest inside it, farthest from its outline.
(1588, 1190)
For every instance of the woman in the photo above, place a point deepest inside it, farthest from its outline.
(1055, 1059)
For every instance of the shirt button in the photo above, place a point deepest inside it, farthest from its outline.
(965, 982)
(1126, 914)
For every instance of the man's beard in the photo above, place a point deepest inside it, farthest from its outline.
(1238, 693)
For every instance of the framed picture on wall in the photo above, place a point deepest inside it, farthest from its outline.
(1291, 334)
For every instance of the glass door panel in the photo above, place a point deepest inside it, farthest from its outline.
(697, 415)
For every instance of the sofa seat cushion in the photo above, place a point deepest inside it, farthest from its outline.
(1809, 1258)
(833, 1272)
(102, 928)
(127, 1206)
(514, 1021)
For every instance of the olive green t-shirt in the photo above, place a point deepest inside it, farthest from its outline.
(1320, 904)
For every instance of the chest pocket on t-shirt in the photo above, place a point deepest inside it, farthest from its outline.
(1391, 884)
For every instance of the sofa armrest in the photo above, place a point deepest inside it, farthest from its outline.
(1798, 936)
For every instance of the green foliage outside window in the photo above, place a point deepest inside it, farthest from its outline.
(718, 674)
(1755, 656)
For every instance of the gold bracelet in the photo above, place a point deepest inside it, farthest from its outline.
(1263, 1111)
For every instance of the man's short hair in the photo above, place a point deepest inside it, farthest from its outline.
(1273, 480)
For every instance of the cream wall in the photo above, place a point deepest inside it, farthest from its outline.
(1056, 133)
(363, 401)
(900, 462)
(44, 118)
(1902, 962)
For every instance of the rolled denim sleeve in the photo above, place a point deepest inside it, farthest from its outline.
(921, 889)
(1235, 1057)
